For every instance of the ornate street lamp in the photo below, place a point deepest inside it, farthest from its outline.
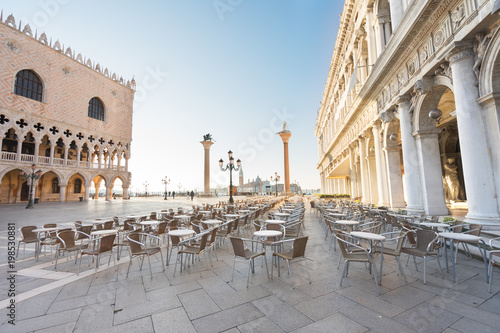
(31, 177)
(165, 181)
(276, 179)
(230, 166)
(146, 184)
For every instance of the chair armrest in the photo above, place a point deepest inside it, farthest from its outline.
(431, 243)
(283, 241)
(494, 239)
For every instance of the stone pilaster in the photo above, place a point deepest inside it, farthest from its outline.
(383, 191)
(364, 170)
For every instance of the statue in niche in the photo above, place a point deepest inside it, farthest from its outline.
(480, 46)
(451, 179)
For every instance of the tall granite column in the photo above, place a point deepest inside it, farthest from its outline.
(206, 147)
(285, 136)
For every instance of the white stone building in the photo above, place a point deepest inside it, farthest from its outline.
(410, 115)
(63, 112)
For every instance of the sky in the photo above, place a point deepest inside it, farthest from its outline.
(234, 68)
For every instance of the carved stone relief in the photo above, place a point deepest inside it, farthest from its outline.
(444, 69)
(457, 16)
(480, 46)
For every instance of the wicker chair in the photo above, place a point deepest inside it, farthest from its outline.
(242, 253)
(28, 237)
(139, 249)
(297, 251)
(105, 246)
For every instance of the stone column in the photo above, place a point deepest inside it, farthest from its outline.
(37, 150)
(99, 159)
(431, 176)
(392, 155)
(383, 197)
(285, 136)
(96, 194)
(411, 177)
(474, 147)
(108, 192)
(364, 170)
(62, 192)
(52, 148)
(370, 38)
(87, 193)
(397, 11)
(78, 156)
(372, 178)
(66, 149)
(125, 192)
(352, 170)
(380, 37)
(19, 148)
(206, 147)
(126, 163)
(118, 161)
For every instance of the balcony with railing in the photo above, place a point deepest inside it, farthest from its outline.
(44, 160)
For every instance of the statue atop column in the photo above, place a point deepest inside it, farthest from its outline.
(208, 137)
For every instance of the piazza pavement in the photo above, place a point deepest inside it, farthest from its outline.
(207, 301)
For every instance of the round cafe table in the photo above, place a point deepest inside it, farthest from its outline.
(274, 222)
(373, 238)
(180, 233)
(462, 237)
(212, 222)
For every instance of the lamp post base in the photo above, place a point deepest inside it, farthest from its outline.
(30, 204)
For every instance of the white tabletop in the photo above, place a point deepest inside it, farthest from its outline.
(103, 232)
(336, 214)
(231, 215)
(347, 222)
(275, 221)
(281, 214)
(97, 221)
(181, 216)
(244, 211)
(41, 229)
(267, 233)
(205, 212)
(136, 216)
(368, 235)
(150, 222)
(212, 221)
(459, 236)
(434, 225)
(181, 232)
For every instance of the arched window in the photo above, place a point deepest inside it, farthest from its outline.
(96, 109)
(55, 185)
(78, 186)
(29, 85)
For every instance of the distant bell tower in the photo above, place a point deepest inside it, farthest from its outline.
(241, 176)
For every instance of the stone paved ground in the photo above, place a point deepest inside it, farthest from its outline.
(207, 301)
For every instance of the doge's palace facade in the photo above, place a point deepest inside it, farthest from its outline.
(410, 115)
(63, 112)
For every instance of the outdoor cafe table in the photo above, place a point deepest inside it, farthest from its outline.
(372, 237)
(180, 233)
(229, 216)
(205, 212)
(212, 222)
(38, 232)
(435, 225)
(274, 222)
(149, 223)
(136, 217)
(282, 215)
(461, 237)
